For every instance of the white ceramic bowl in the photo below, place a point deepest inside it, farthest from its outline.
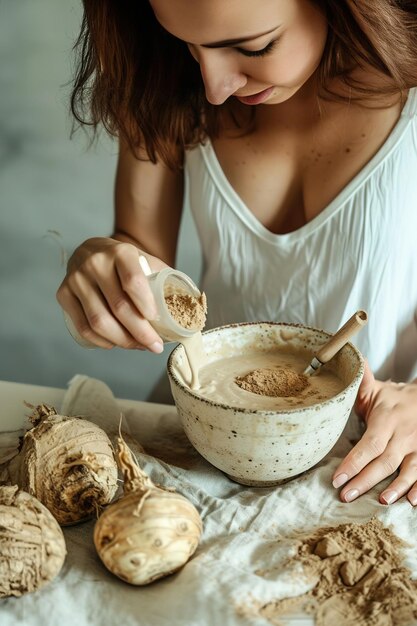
(257, 447)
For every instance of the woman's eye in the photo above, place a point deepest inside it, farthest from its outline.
(258, 53)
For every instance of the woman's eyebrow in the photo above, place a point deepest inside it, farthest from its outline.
(230, 42)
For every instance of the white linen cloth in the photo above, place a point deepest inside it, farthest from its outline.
(245, 541)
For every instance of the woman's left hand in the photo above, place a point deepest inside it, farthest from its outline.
(388, 444)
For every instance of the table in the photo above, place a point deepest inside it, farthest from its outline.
(240, 560)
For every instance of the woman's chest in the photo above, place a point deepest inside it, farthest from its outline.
(287, 172)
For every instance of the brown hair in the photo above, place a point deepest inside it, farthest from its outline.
(142, 83)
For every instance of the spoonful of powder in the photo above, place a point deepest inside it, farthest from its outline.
(278, 382)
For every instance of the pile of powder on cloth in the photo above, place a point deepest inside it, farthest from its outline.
(187, 310)
(278, 382)
(362, 580)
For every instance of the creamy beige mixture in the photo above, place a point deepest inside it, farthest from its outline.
(259, 380)
(218, 381)
(194, 350)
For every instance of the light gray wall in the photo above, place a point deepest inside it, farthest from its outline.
(50, 184)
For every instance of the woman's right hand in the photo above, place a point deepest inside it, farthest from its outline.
(107, 296)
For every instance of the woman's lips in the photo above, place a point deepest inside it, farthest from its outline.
(256, 98)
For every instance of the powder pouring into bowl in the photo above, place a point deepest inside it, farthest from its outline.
(189, 312)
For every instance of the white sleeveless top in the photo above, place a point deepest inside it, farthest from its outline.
(360, 252)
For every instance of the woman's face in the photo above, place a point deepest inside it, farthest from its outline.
(259, 52)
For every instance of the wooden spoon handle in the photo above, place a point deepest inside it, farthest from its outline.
(355, 323)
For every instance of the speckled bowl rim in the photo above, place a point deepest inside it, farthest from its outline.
(174, 378)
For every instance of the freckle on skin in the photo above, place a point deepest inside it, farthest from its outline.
(347, 150)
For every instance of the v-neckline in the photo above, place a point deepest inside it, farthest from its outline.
(234, 200)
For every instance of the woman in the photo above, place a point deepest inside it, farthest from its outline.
(290, 127)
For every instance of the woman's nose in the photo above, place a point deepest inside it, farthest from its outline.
(220, 76)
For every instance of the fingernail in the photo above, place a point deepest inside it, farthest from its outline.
(351, 495)
(340, 480)
(156, 347)
(412, 496)
(389, 496)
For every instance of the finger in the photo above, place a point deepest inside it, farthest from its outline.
(366, 389)
(376, 471)
(368, 379)
(73, 309)
(373, 443)
(99, 318)
(405, 482)
(128, 315)
(134, 282)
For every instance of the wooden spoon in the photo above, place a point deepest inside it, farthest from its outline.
(336, 342)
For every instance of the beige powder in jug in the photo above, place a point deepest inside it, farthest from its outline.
(361, 579)
(187, 310)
